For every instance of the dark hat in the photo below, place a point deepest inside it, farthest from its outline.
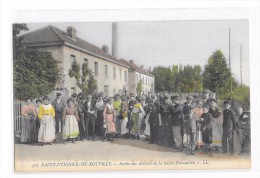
(100, 94)
(138, 98)
(195, 96)
(131, 95)
(206, 91)
(45, 98)
(74, 95)
(116, 95)
(189, 98)
(225, 102)
(38, 100)
(166, 96)
(69, 100)
(213, 100)
(157, 103)
(58, 94)
(175, 97)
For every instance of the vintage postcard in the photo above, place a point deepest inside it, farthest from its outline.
(131, 95)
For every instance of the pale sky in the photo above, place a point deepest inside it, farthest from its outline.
(168, 43)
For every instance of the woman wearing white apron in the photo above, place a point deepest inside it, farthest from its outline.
(124, 112)
(47, 123)
(70, 120)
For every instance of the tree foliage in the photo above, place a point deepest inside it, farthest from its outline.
(35, 72)
(139, 87)
(217, 74)
(88, 86)
(163, 79)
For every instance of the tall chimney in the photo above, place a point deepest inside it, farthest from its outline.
(71, 32)
(114, 39)
(131, 61)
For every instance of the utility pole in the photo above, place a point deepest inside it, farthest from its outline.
(229, 58)
(241, 65)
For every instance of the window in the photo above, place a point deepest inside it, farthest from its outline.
(125, 77)
(86, 60)
(73, 58)
(114, 73)
(96, 68)
(106, 71)
(120, 74)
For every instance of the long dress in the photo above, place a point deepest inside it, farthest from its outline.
(70, 128)
(124, 110)
(47, 123)
(165, 130)
(28, 124)
(136, 117)
(108, 115)
(99, 122)
(198, 112)
(216, 127)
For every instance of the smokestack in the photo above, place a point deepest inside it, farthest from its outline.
(131, 61)
(114, 39)
(71, 32)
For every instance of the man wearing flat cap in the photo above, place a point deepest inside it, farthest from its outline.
(58, 106)
(229, 125)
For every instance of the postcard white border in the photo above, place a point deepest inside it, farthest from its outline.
(29, 11)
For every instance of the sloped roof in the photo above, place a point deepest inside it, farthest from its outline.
(136, 68)
(53, 35)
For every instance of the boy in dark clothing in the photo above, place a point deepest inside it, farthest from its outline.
(229, 125)
(207, 132)
(244, 131)
(189, 124)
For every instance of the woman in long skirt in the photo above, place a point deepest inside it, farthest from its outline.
(70, 120)
(28, 122)
(216, 125)
(136, 116)
(124, 112)
(109, 119)
(38, 104)
(47, 122)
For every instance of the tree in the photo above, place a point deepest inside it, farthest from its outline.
(139, 87)
(87, 86)
(163, 79)
(35, 72)
(217, 74)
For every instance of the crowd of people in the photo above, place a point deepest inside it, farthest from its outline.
(198, 123)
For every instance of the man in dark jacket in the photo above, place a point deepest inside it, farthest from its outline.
(176, 122)
(58, 106)
(229, 125)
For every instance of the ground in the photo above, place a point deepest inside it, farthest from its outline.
(117, 154)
